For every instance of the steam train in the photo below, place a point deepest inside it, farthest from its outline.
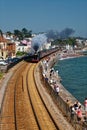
(41, 54)
(35, 57)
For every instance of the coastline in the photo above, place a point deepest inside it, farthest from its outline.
(64, 94)
(73, 74)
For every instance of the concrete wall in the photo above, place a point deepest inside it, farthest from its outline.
(61, 100)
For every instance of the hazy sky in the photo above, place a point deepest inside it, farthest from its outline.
(43, 15)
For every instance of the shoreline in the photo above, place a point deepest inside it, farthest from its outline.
(64, 94)
(77, 58)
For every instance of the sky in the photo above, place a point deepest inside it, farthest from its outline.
(44, 15)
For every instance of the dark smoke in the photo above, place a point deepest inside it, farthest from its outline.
(67, 32)
(51, 34)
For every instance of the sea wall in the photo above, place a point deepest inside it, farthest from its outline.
(65, 99)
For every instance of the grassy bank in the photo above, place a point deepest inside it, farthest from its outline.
(1, 75)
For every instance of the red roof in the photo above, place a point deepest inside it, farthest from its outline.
(2, 39)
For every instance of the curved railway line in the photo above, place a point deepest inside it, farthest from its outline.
(23, 107)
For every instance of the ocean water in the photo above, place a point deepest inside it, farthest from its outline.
(74, 76)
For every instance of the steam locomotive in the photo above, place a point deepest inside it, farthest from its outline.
(35, 57)
(41, 54)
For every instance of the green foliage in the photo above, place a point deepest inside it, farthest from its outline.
(23, 33)
(9, 33)
(18, 34)
(60, 42)
(1, 75)
(20, 53)
(71, 41)
(1, 33)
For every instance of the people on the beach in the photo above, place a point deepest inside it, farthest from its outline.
(85, 106)
(56, 88)
(76, 109)
(72, 112)
(49, 75)
(77, 104)
(79, 114)
(57, 72)
(45, 63)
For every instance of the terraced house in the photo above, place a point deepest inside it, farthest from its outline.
(7, 48)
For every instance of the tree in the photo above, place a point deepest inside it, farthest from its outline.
(8, 33)
(30, 33)
(71, 41)
(18, 34)
(59, 42)
(26, 33)
(1, 33)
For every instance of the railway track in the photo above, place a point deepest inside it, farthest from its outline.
(7, 115)
(43, 118)
(23, 108)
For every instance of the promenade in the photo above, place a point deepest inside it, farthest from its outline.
(64, 100)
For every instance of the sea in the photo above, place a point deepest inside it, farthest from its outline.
(73, 72)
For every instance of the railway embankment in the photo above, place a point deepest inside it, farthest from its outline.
(64, 100)
(4, 81)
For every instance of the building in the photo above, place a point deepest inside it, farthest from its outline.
(7, 48)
